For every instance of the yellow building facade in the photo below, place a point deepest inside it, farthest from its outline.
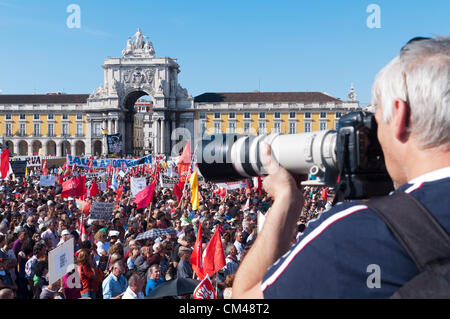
(265, 113)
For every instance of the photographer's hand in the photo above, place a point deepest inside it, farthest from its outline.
(278, 230)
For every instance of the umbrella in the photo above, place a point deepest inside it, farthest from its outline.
(175, 287)
(154, 233)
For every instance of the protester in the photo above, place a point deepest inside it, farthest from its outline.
(91, 276)
(135, 287)
(115, 285)
(154, 280)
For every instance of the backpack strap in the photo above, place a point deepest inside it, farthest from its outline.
(414, 227)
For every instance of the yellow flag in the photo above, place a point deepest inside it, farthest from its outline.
(195, 200)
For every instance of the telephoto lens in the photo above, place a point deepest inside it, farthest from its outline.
(232, 157)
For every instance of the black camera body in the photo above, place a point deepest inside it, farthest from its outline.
(360, 159)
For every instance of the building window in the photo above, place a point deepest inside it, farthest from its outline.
(338, 114)
(22, 129)
(51, 129)
(8, 129)
(292, 128)
(217, 129)
(232, 115)
(262, 115)
(231, 127)
(79, 116)
(51, 116)
(36, 117)
(277, 127)
(37, 130)
(307, 127)
(262, 127)
(323, 115)
(246, 127)
(65, 116)
(8, 116)
(79, 129)
(246, 115)
(323, 126)
(277, 115)
(202, 116)
(97, 131)
(307, 115)
(65, 129)
(217, 115)
(292, 115)
(22, 116)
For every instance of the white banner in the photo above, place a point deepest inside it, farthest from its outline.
(32, 161)
(59, 259)
(102, 211)
(48, 180)
(167, 181)
(137, 184)
(233, 185)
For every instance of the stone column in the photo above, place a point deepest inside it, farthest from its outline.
(59, 148)
(30, 148)
(44, 145)
(163, 136)
(88, 139)
(16, 146)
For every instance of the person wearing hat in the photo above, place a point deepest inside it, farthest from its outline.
(65, 236)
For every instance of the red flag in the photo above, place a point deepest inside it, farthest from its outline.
(145, 196)
(177, 190)
(4, 165)
(84, 206)
(248, 190)
(184, 162)
(214, 259)
(205, 290)
(108, 183)
(74, 187)
(119, 193)
(60, 180)
(324, 194)
(197, 255)
(257, 183)
(247, 205)
(44, 168)
(94, 189)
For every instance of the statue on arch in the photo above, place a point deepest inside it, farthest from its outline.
(139, 43)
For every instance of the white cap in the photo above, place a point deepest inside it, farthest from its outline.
(113, 233)
(65, 232)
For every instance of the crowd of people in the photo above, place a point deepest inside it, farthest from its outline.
(111, 261)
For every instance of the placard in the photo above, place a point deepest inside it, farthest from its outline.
(137, 184)
(47, 180)
(59, 259)
(167, 181)
(102, 211)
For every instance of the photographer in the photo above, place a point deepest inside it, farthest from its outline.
(349, 252)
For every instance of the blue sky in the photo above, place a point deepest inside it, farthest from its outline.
(221, 46)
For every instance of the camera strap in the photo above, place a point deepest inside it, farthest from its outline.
(414, 227)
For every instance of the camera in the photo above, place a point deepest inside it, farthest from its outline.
(350, 158)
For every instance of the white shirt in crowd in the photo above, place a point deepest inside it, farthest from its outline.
(130, 294)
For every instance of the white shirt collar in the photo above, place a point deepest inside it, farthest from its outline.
(432, 176)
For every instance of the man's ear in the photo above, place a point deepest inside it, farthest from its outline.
(401, 120)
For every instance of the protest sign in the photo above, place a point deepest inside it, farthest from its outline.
(32, 161)
(102, 186)
(102, 211)
(232, 185)
(167, 181)
(137, 184)
(59, 259)
(83, 162)
(47, 180)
